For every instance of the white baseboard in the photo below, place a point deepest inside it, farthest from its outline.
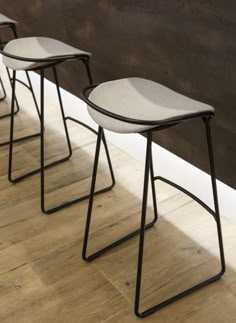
(167, 164)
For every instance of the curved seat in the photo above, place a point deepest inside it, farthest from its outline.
(4, 20)
(141, 100)
(35, 52)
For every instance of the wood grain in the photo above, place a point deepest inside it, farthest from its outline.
(43, 278)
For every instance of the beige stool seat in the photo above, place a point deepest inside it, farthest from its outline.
(38, 48)
(4, 20)
(141, 99)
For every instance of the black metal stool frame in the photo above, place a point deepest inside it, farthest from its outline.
(52, 63)
(29, 87)
(143, 226)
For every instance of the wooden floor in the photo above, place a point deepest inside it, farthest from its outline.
(42, 276)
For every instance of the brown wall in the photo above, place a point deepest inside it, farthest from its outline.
(187, 45)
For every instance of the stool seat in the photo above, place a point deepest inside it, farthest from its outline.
(4, 20)
(144, 100)
(38, 48)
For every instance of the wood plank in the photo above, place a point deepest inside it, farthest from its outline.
(42, 275)
(84, 297)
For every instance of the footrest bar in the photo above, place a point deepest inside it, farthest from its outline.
(18, 179)
(20, 139)
(24, 84)
(8, 114)
(77, 200)
(195, 198)
(104, 142)
(82, 124)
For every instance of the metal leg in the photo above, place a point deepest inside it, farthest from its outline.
(11, 140)
(93, 183)
(13, 28)
(62, 111)
(89, 214)
(3, 90)
(90, 79)
(42, 166)
(153, 188)
(81, 198)
(113, 181)
(42, 155)
(30, 87)
(18, 179)
(11, 126)
(32, 92)
(89, 74)
(215, 194)
(17, 104)
(141, 242)
(88, 70)
(143, 221)
(149, 172)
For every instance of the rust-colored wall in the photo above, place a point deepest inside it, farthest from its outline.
(187, 45)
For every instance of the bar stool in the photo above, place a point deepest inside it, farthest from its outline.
(136, 105)
(39, 54)
(8, 23)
